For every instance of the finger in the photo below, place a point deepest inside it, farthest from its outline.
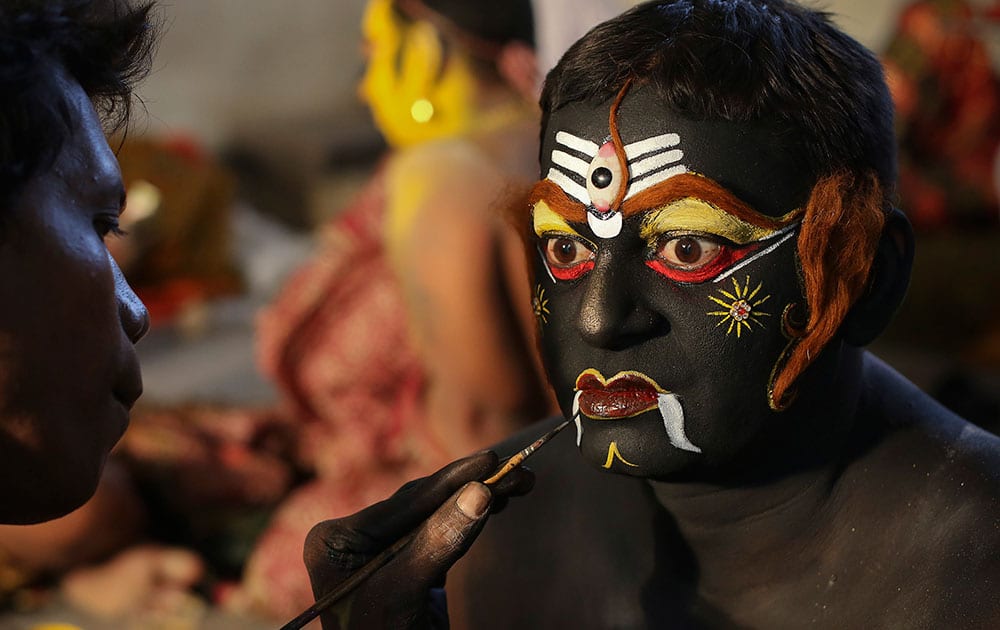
(333, 549)
(387, 520)
(517, 482)
(447, 534)
(396, 595)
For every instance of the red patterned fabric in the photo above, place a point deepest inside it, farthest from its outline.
(336, 342)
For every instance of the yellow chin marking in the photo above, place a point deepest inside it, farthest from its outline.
(614, 454)
(545, 220)
(695, 215)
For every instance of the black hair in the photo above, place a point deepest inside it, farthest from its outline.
(743, 60)
(104, 45)
(495, 21)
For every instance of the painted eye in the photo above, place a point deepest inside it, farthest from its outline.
(568, 258)
(691, 259)
(688, 252)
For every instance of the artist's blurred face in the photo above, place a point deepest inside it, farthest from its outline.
(68, 368)
(661, 288)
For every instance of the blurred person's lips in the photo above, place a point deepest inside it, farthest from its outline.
(129, 385)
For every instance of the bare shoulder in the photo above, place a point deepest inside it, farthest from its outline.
(444, 165)
(927, 494)
(927, 445)
(442, 195)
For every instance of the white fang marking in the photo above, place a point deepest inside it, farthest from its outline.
(609, 227)
(649, 145)
(570, 187)
(576, 418)
(586, 147)
(673, 422)
(570, 163)
(767, 250)
(637, 187)
(652, 163)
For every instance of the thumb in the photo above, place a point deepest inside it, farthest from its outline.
(396, 596)
(447, 534)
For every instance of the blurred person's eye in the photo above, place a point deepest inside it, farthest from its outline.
(108, 225)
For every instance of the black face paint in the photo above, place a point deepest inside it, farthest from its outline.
(663, 337)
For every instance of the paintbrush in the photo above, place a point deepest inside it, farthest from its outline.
(385, 555)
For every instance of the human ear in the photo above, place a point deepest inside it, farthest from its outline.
(518, 65)
(887, 283)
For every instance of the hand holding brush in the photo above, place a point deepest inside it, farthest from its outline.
(375, 568)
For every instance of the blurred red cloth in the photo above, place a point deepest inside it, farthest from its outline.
(947, 97)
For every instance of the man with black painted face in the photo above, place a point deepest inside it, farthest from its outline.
(714, 244)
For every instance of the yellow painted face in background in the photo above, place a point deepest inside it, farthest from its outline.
(414, 91)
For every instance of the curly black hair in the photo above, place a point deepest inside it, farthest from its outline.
(104, 45)
(743, 60)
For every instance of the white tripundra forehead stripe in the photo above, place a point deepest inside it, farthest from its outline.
(572, 189)
(767, 250)
(650, 145)
(649, 163)
(571, 163)
(645, 166)
(637, 187)
(580, 145)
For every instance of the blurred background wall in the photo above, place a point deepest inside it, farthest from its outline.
(226, 64)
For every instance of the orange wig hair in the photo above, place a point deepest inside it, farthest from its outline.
(840, 232)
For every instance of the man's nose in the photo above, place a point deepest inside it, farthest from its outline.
(612, 315)
(131, 311)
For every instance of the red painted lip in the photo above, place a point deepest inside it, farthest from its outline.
(624, 395)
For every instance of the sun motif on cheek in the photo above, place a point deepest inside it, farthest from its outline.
(540, 305)
(741, 307)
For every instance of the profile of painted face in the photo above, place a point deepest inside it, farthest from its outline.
(68, 368)
(666, 278)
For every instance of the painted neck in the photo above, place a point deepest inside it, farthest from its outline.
(782, 489)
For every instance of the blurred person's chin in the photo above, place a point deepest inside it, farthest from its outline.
(47, 481)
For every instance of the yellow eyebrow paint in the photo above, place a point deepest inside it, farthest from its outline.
(695, 215)
(545, 220)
